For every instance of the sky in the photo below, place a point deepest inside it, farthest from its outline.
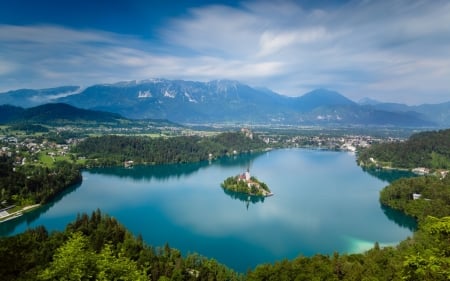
(387, 50)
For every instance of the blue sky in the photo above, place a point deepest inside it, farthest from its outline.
(395, 51)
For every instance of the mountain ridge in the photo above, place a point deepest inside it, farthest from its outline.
(230, 101)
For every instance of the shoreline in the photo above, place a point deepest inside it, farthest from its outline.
(19, 213)
(375, 166)
(436, 172)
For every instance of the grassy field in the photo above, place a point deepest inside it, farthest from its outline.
(49, 160)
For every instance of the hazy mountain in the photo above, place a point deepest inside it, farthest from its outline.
(231, 101)
(438, 113)
(30, 98)
(368, 101)
(321, 98)
(184, 101)
(390, 106)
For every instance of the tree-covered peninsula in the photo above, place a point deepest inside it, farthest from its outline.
(419, 197)
(422, 196)
(426, 149)
(244, 183)
(111, 150)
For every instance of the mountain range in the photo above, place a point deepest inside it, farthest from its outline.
(223, 101)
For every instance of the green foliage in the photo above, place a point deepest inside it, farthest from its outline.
(235, 184)
(426, 149)
(114, 150)
(97, 247)
(111, 267)
(25, 185)
(26, 254)
(29, 128)
(434, 200)
(72, 261)
(76, 261)
(431, 260)
(60, 113)
(264, 186)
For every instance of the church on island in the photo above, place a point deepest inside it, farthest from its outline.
(245, 176)
(245, 183)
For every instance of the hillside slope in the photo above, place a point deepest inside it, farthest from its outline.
(426, 149)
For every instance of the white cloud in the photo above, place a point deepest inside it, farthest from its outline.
(388, 50)
(6, 67)
(361, 47)
(48, 34)
(52, 55)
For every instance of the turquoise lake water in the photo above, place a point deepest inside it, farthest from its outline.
(323, 203)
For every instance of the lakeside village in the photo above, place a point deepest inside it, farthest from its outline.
(247, 184)
(25, 148)
(29, 151)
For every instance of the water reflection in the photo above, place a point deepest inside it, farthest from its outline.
(399, 218)
(388, 175)
(247, 199)
(175, 171)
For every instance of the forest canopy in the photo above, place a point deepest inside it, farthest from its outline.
(419, 197)
(426, 149)
(114, 150)
(97, 247)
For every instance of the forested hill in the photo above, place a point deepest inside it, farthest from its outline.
(426, 149)
(54, 113)
(114, 150)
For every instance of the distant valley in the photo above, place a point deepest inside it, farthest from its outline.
(224, 101)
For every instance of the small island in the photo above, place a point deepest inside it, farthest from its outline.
(244, 183)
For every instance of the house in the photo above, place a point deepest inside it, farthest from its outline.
(416, 196)
(128, 164)
(421, 171)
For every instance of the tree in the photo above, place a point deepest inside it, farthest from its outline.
(110, 267)
(432, 259)
(72, 261)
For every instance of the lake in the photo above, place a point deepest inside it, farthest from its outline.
(323, 203)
